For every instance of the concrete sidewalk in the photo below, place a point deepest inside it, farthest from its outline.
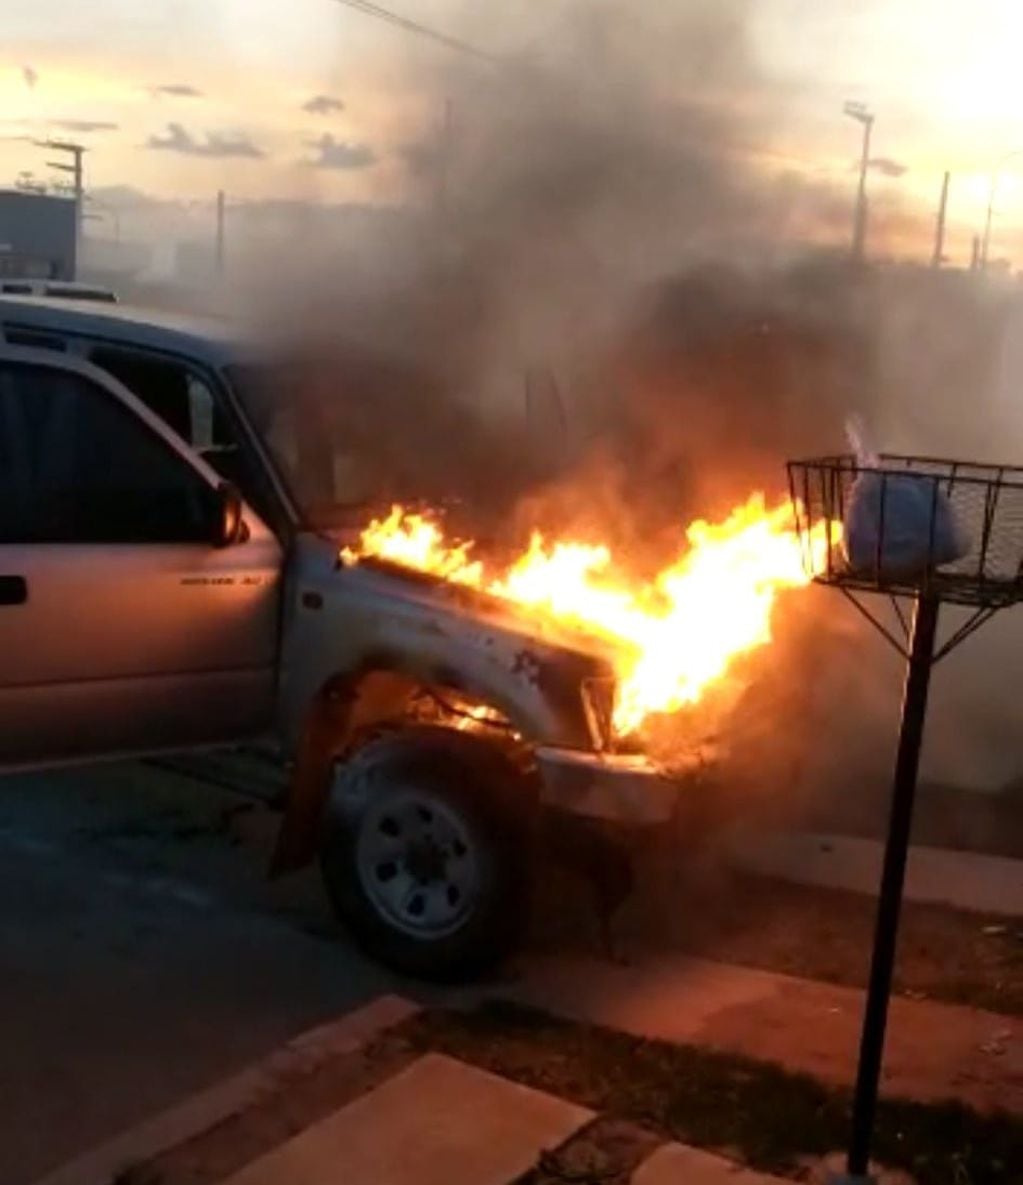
(965, 880)
(434, 1121)
(933, 1051)
(442, 1122)
(322, 1109)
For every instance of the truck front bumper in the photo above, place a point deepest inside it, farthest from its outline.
(618, 788)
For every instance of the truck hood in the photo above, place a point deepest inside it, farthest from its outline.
(387, 616)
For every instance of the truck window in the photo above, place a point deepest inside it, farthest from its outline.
(161, 385)
(175, 392)
(182, 397)
(90, 471)
(13, 464)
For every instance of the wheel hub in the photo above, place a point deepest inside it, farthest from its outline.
(426, 860)
(417, 864)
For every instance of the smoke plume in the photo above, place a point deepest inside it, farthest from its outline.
(566, 257)
(601, 312)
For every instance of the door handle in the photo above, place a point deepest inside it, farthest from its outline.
(13, 590)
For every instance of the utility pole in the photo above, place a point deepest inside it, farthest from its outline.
(444, 160)
(939, 230)
(992, 191)
(76, 152)
(220, 233)
(992, 186)
(864, 116)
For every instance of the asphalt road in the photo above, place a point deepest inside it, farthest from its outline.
(144, 955)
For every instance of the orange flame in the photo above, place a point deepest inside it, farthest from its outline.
(673, 636)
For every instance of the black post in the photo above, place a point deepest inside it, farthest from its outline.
(914, 708)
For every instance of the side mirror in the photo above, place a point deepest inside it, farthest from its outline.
(228, 523)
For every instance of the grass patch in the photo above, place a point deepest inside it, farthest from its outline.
(768, 1117)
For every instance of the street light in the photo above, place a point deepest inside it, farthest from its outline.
(992, 190)
(863, 115)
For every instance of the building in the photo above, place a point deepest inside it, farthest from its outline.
(37, 236)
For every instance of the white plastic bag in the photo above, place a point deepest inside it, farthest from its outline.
(911, 541)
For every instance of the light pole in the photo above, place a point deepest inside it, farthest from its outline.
(76, 152)
(939, 228)
(992, 190)
(863, 115)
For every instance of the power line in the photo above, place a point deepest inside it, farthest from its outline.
(410, 26)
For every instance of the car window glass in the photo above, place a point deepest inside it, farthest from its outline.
(173, 391)
(13, 475)
(162, 386)
(201, 414)
(95, 473)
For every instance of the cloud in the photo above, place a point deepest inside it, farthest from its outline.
(177, 90)
(322, 105)
(221, 145)
(339, 154)
(85, 125)
(31, 77)
(886, 166)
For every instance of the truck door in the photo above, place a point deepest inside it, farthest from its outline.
(122, 626)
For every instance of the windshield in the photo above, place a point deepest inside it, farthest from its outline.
(349, 440)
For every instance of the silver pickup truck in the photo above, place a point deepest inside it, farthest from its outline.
(170, 579)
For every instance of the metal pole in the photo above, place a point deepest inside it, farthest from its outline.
(76, 170)
(860, 228)
(991, 194)
(444, 160)
(939, 230)
(987, 221)
(907, 762)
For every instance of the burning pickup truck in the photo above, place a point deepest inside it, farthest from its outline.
(169, 580)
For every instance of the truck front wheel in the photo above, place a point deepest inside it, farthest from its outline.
(425, 852)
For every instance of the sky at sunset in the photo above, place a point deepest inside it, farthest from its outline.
(309, 99)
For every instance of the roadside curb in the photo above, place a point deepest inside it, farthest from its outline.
(201, 1111)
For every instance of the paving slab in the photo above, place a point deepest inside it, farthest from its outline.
(439, 1122)
(677, 1164)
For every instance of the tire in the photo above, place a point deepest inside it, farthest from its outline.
(425, 852)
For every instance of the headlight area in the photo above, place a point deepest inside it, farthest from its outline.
(623, 788)
(598, 694)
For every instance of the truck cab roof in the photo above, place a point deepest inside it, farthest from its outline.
(61, 289)
(210, 340)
